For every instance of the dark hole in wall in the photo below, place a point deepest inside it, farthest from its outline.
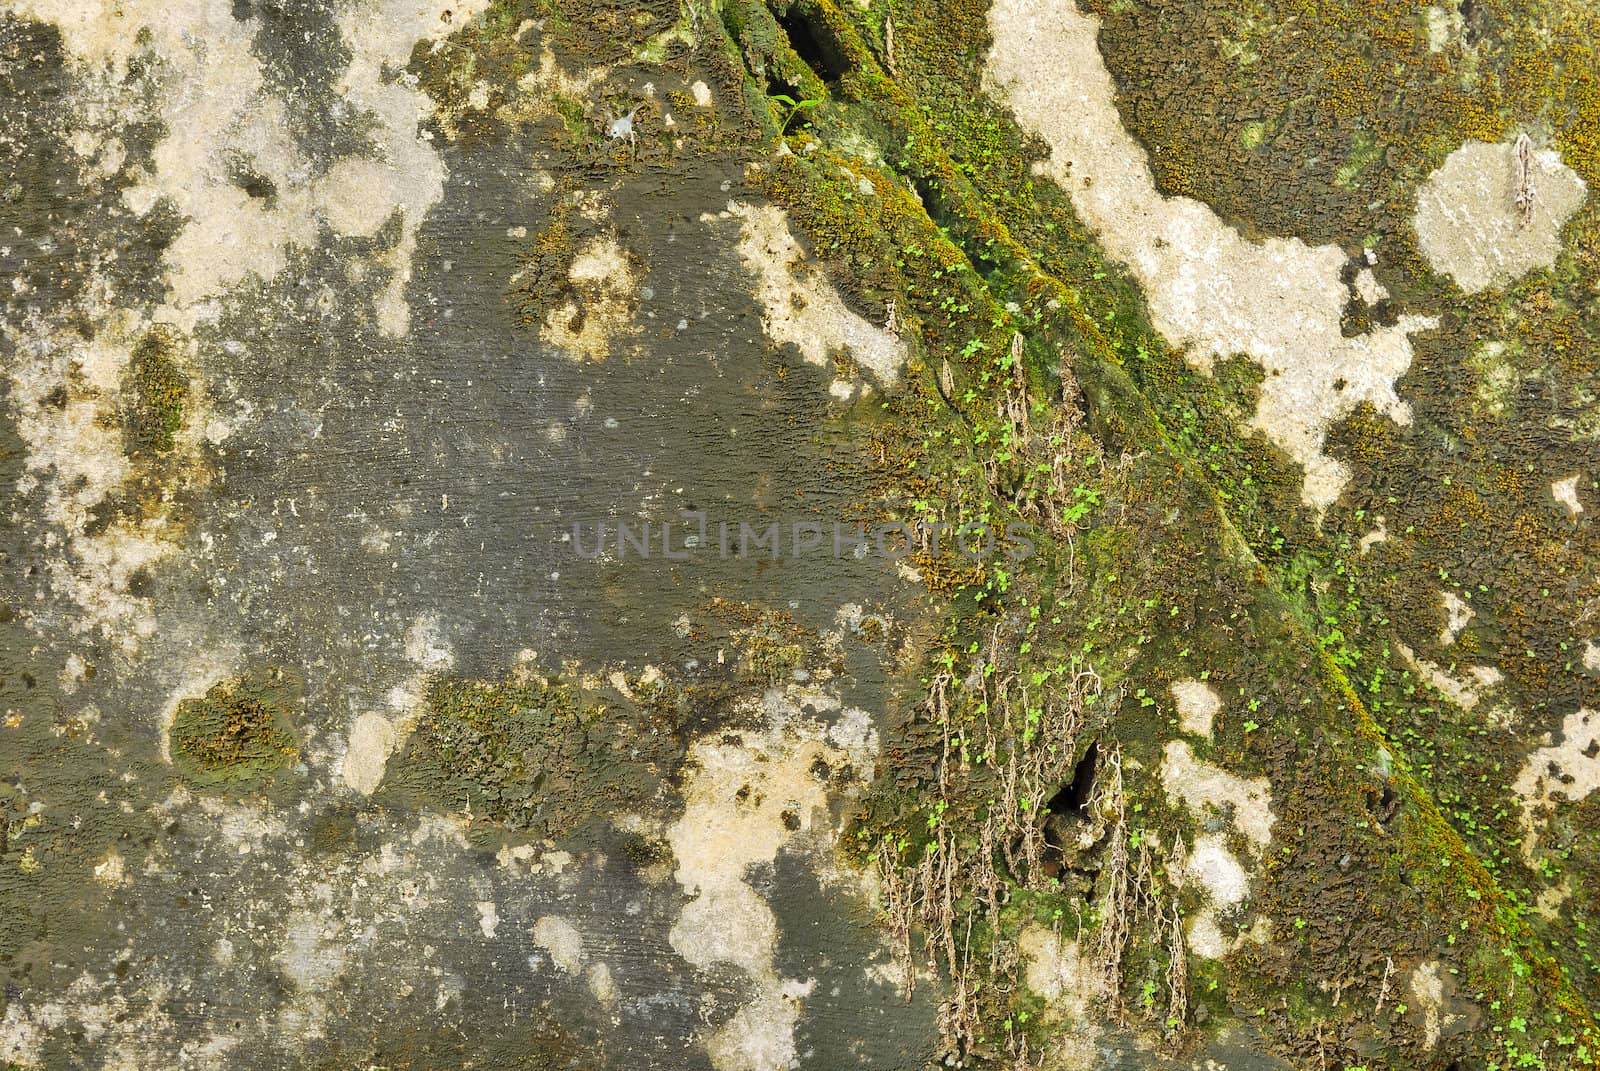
(815, 45)
(1067, 857)
(1073, 798)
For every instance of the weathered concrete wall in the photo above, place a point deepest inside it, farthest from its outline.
(336, 334)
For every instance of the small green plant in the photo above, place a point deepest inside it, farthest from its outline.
(791, 109)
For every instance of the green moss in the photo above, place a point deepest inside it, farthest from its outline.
(156, 390)
(239, 734)
(533, 754)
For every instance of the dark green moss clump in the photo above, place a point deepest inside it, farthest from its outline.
(239, 734)
(531, 754)
(157, 390)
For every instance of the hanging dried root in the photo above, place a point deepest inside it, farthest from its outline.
(1177, 971)
(899, 909)
(1525, 197)
(1119, 899)
(1003, 754)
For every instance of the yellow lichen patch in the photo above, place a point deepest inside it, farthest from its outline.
(237, 733)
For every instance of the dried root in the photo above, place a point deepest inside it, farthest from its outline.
(1027, 750)
(1525, 196)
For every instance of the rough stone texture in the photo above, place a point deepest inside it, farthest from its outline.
(426, 643)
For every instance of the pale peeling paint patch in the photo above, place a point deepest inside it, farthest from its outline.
(561, 939)
(1470, 227)
(1465, 691)
(1457, 615)
(1566, 492)
(1278, 302)
(372, 741)
(1568, 771)
(601, 310)
(745, 797)
(1200, 785)
(800, 307)
(1198, 706)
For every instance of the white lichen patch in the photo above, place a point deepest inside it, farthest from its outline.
(562, 940)
(1198, 706)
(1457, 615)
(1466, 689)
(1444, 24)
(1218, 870)
(372, 740)
(1057, 970)
(1566, 492)
(202, 84)
(111, 871)
(601, 985)
(426, 645)
(1569, 770)
(1427, 991)
(1379, 534)
(1469, 223)
(746, 796)
(600, 312)
(67, 398)
(1212, 866)
(313, 955)
(800, 307)
(1202, 787)
(1068, 981)
(1209, 289)
(100, 1014)
(1368, 289)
